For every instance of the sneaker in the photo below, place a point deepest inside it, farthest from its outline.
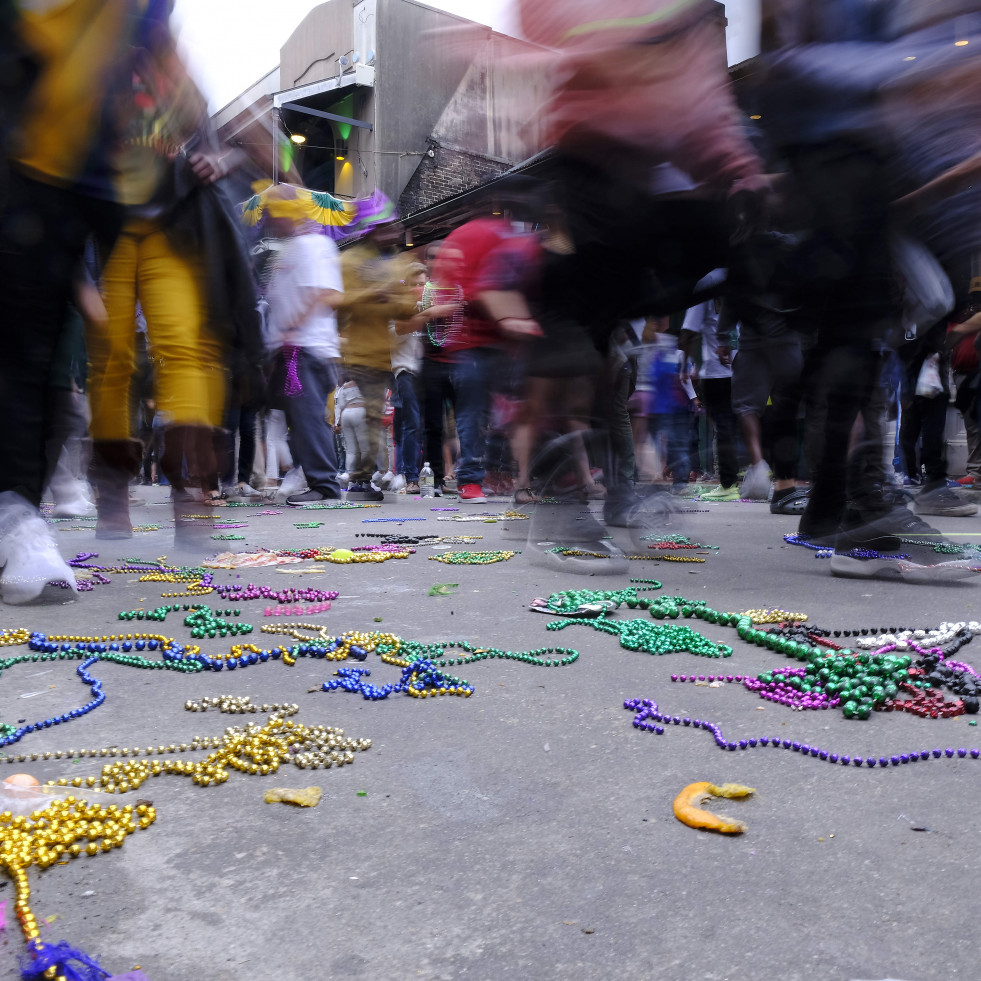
(78, 507)
(385, 481)
(28, 554)
(722, 494)
(756, 482)
(365, 492)
(293, 483)
(244, 492)
(316, 495)
(899, 545)
(943, 502)
(397, 484)
(684, 490)
(472, 493)
(967, 481)
(344, 479)
(412, 488)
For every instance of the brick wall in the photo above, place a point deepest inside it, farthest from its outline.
(452, 171)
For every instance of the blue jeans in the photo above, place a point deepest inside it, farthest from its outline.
(311, 439)
(675, 426)
(410, 433)
(469, 376)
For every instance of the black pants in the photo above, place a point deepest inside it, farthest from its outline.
(840, 380)
(717, 393)
(43, 231)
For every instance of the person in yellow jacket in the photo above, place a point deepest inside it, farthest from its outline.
(375, 294)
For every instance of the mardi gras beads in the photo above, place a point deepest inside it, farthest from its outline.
(472, 558)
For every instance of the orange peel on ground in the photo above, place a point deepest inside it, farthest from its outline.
(688, 811)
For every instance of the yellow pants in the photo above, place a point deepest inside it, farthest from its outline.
(189, 374)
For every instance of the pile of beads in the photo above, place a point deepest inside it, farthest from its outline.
(295, 611)
(569, 600)
(146, 527)
(235, 593)
(340, 506)
(648, 718)
(667, 558)
(229, 538)
(308, 524)
(252, 749)
(674, 541)
(472, 558)
(65, 829)
(774, 616)
(642, 635)
(943, 635)
(419, 679)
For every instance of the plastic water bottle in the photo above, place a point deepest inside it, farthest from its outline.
(427, 482)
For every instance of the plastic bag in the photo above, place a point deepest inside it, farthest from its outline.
(928, 384)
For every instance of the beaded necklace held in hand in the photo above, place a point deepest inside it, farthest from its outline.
(452, 324)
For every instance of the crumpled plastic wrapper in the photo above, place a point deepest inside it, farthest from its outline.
(304, 797)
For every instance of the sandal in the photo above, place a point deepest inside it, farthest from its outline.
(525, 495)
(215, 499)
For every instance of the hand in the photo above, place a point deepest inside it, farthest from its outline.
(207, 167)
(90, 305)
(439, 310)
(519, 329)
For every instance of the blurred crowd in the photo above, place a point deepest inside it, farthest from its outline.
(762, 289)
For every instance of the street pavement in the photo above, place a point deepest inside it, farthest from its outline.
(525, 832)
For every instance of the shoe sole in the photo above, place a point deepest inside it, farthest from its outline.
(960, 511)
(899, 570)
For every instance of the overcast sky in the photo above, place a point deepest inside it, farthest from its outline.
(229, 44)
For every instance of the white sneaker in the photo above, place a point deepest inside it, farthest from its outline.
(244, 492)
(398, 484)
(78, 507)
(756, 483)
(343, 479)
(29, 555)
(386, 481)
(293, 483)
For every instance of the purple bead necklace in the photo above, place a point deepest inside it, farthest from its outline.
(649, 718)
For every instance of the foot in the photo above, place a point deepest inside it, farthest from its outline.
(244, 492)
(365, 492)
(790, 501)
(30, 559)
(472, 493)
(756, 482)
(316, 495)
(525, 495)
(899, 545)
(944, 502)
(412, 487)
(722, 494)
(78, 507)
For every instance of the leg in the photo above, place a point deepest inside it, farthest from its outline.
(372, 384)
(312, 438)
(470, 404)
(405, 383)
(718, 403)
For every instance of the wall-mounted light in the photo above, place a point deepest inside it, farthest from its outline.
(756, 116)
(298, 138)
(339, 156)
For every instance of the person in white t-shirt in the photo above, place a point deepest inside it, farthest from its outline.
(304, 290)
